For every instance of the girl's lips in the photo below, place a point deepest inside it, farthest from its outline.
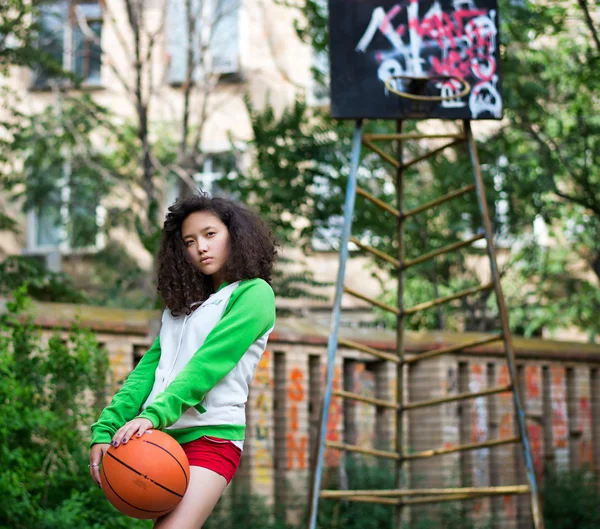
(207, 260)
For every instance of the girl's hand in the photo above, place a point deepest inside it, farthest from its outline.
(96, 454)
(129, 429)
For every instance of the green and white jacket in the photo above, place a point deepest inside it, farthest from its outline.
(194, 379)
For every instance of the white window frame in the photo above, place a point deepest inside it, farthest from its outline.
(68, 57)
(63, 246)
(176, 42)
(204, 179)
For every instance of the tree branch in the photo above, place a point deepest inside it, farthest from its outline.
(87, 31)
(589, 22)
(551, 148)
(151, 38)
(179, 171)
(106, 9)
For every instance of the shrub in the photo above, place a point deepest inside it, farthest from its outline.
(570, 500)
(358, 473)
(244, 510)
(46, 392)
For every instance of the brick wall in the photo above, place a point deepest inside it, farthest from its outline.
(559, 383)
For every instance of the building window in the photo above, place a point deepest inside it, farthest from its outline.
(71, 31)
(216, 166)
(215, 38)
(318, 89)
(68, 221)
(69, 229)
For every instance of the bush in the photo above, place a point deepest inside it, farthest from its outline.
(24, 272)
(358, 473)
(245, 511)
(46, 392)
(368, 473)
(571, 500)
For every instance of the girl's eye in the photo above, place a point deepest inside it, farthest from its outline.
(189, 243)
(211, 233)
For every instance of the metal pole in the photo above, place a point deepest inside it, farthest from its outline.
(508, 345)
(335, 323)
(400, 319)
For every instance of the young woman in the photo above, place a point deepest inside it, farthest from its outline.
(214, 274)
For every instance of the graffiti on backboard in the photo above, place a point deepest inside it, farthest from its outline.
(438, 39)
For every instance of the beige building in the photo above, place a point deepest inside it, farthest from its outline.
(240, 47)
(247, 46)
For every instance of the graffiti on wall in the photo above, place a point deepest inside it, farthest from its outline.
(334, 420)
(505, 405)
(560, 428)
(364, 384)
(505, 430)
(119, 357)
(534, 406)
(585, 454)
(479, 434)
(263, 406)
(297, 443)
(429, 39)
(451, 430)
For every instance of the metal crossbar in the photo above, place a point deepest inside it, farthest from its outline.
(438, 201)
(367, 400)
(452, 349)
(433, 152)
(456, 398)
(370, 300)
(376, 252)
(462, 448)
(447, 299)
(380, 203)
(370, 350)
(441, 251)
(362, 450)
(401, 497)
(505, 489)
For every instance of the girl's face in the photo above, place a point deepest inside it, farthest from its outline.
(206, 241)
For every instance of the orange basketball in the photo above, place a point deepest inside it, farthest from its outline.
(146, 477)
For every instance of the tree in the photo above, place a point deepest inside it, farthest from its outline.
(83, 146)
(547, 158)
(542, 162)
(80, 145)
(17, 48)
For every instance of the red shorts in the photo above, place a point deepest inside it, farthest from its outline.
(219, 455)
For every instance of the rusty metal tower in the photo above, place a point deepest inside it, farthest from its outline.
(417, 60)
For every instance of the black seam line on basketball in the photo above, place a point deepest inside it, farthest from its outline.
(145, 477)
(180, 465)
(124, 500)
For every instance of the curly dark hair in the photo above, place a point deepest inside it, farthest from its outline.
(253, 251)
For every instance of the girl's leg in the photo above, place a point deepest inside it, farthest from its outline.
(202, 495)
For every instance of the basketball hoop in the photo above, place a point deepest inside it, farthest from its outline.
(419, 84)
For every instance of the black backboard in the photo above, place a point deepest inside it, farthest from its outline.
(370, 41)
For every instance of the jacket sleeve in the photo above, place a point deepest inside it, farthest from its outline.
(126, 404)
(250, 313)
